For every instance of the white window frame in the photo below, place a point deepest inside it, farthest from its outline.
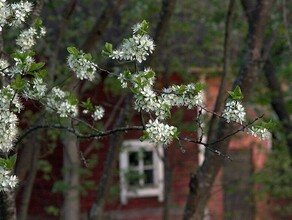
(148, 191)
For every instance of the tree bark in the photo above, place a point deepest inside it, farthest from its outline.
(226, 65)
(71, 166)
(96, 211)
(201, 182)
(278, 103)
(27, 190)
(101, 24)
(166, 13)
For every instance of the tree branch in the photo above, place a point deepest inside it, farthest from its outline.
(76, 132)
(101, 24)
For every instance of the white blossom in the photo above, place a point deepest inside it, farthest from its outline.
(8, 130)
(260, 132)
(98, 113)
(58, 102)
(36, 90)
(136, 27)
(20, 11)
(145, 99)
(159, 132)
(21, 66)
(234, 112)
(26, 39)
(8, 120)
(4, 67)
(123, 80)
(7, 181)
(185, 95)
(136, 48)
(5, 13)
(9, 99)
(84, 68)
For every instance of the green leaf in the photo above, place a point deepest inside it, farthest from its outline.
(87, 105)
(109, 47)
(144, 137)
(72, 99)
(36, 66)
(8, 163)
(150, 74)
(88, 56)
(42, 73)
(19, 83)
(38, 23)
(236, 94)
(72, 50)
(199, 87)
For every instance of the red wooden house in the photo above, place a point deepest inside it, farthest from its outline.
(139, 182)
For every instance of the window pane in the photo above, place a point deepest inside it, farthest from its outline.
(148, 157)
(133, 159)
(148, 177)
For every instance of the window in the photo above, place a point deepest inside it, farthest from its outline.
(141, 170)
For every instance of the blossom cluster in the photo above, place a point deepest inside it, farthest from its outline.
(14, 14)
(7, 181)
(36, 89)
(9, 104)
(26, 39)
(22, 64)
(57, 100)
(234, 112)
(137, 48)
(82, 66)
(183, 95)
(159, 132)
(259, 131)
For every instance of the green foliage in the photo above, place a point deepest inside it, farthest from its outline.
(18, 83)
(275, 179)
(8, 163)
(60, 187)
(108, 49)
(46, 167)
(73, 51)
(236, 94)
(52, 210)
(87, 105)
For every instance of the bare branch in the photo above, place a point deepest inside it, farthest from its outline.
(97, 135)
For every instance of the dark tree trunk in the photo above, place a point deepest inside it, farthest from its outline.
(96, 211)
(101, 24)
(201, 182)
(278, 103)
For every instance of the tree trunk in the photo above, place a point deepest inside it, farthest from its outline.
(101, 24)
(27, 190)
(167, 185)
(71, 168)
(278, 103)
(96, 211)
(201, 182)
